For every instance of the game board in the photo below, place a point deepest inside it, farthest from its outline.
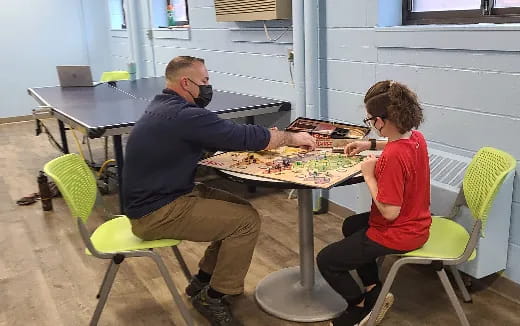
(327, 133)
(318, 169)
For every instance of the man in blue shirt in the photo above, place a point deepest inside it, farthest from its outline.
(162, 200)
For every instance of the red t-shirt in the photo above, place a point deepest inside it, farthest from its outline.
(403, 179)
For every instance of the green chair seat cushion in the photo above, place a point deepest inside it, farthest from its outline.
(448, 239)
(116, 235)
(108, 76)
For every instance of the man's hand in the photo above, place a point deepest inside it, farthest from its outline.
(283, 138)
(303, 140)
(357, 147)
(368, 166)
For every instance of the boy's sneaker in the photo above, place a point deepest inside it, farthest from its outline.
(356, 316)
(195, 286)
(370, 301)
(216, 310)
(351, 317)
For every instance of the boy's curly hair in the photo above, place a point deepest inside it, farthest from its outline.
(396, 102)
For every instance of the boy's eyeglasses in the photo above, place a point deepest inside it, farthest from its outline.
(365, 121)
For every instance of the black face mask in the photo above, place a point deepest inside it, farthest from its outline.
(205, 94)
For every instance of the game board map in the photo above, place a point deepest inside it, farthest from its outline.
(317, 169)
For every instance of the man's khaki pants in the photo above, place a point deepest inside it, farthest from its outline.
(207, 214)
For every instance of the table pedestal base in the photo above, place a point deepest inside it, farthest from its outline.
(282, 295)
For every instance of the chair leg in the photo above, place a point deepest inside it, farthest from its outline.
(182, 263)
(104, 279)
(108, 280)
(460, 284)
(173, 289)
(384, 291)
(453, 297)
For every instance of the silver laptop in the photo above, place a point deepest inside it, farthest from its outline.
(75, 76)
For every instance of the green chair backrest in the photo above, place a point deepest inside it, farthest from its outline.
(483, 178)
(76, 183)
(109, 76)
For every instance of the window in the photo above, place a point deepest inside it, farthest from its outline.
(159, 10)
(460, 11)
(161, 13)
(180, 10)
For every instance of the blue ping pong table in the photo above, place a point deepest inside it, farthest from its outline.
(112, 109)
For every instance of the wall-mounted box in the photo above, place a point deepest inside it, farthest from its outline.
(249, 10)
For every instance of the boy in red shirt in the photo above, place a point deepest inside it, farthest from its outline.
(400, 218)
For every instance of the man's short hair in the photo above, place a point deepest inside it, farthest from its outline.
(179, 63)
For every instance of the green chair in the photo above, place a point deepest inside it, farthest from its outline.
(110, 76)
(113, 239)
(449, 243)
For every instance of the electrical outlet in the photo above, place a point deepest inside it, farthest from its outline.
(290, 55)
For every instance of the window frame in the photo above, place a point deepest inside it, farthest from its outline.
(490, 15)
(123, 13)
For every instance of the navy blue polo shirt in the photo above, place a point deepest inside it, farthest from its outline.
(167, 142)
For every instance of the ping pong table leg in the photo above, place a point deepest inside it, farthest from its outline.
(63, 136)
(250, 120)
(118, 151)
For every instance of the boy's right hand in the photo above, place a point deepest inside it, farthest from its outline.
(357, 147)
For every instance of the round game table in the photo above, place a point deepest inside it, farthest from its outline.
(297, 293)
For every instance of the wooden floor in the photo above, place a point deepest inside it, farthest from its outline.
(46, 279)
